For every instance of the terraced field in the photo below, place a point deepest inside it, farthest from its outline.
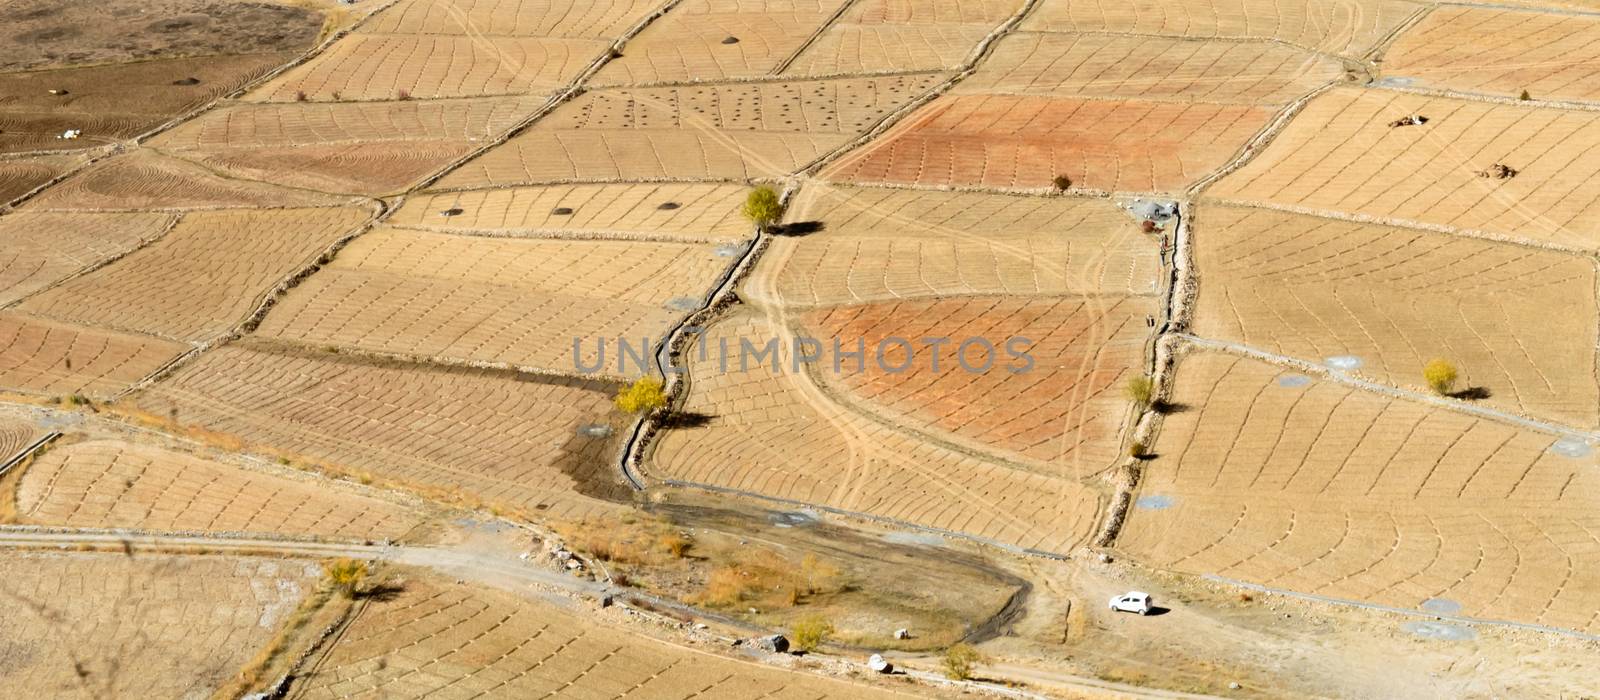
(512, 439)
(144, 181)
(856, 45)
(595, 19)
(105, 625)
(15, 437)
(110, 483)
(522, 302)
(22, 175)
(688, 212)
(1320, 488)
(40, 249)
(1519, 322)
(1343, 28)
(1501, 51)
(718, 40)
(440, 638)
(40, 356)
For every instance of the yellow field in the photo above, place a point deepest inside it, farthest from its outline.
(597, 19)
(690, 44)
(698, 213)
(856, 48)
(1519, 323)
(149, 626)
(15, 436)
(1332, 491)
(1347, 28)
(521, 302)
(1340, 155)
(40, 249)
(45, 357)
(144, 181)
(202, 278)
(1501, 51)
(109, 483)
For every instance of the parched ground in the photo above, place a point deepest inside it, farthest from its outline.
(40, 356)
(887, 36)
(143, 181)
(509, 439)
(721, 132)
(1340, 156)
(1343, 28)
(1501, 51)
(718, 40)
(1064, 409)
(106, 625)
(592, 19)
(1025, 142)
(1519, 322)
(111, 483)
(19, 176)
(435, 638)
(880, 244)
(15, 436)
(522, 302)
(771, 433)
(688, 212)
(40, 249)
(202, 278)
(1318, 488)
(41, 34)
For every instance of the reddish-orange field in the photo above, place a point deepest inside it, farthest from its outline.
(1011, 142)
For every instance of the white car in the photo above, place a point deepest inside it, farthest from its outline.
(1132, 601)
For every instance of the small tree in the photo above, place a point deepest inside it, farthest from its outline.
(762, 207)
(1441, 375)
(346, 576)
(1524, 96)
(960, 660)
(1062, 182)
(1140, 390)
(809, 632)
(643, 396)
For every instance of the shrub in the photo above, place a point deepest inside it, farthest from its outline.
(1524, 96)
(1136, 450)
(762, 207)
(300, 96)
(809, 632)
(1441, 375)
(960, 660)
(1061, 182)
(403, 94)
(346, 576)
(1140, 390)
(645, 395)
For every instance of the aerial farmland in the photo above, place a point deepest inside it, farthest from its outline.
(799, 349)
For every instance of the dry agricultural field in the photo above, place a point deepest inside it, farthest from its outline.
(686, 212)
(1502, 51)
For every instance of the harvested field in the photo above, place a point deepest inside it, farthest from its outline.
(110, 483)
(116, 102)
(15, 437)
(1502, 51)
(1340, 155)
(142, 180)
(390, 67)
(772, 433)
(726, 132)
(21, 176)
(855, 48)
(894, 244)
(204, 277)
(44, 357)
(699, 213)
(436, 638)
(1020, 142)
(523, 302)
(507, 439)
(1323, 489)
(150, 626)
(1345, 28)
(38, 249)
(1064, 409)
(48, 34)
(690, 43)
(590, 19)
(1073, 65)
(375, 169)
(986, 12)
(1520, 323)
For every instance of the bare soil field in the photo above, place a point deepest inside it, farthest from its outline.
(917, 12)
(592, 19)
(115, 102)
(1073, 65)
(1065, 412)
(435, 637)
(1024, 142)
(1520, 323)
(1345, 28)
(523, 302)
(142, 180)
(856, 48)
(1322, 489)
(772, 433)
(38, 249)
(111, 483)
(687, 212)
(721, 132)
(692, 42)
(22, 175)
(204, 276)
(895, 244)
(401, 67)
(514, 440)
(47, 34)
(1501, 51)
(39, 356)
(15, 437)
(1340, 155)
(105, 625)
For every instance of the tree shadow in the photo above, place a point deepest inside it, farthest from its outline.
(383, 592)
(1472, 393)
(798, 228)
(1167, 408)
(1146, 456)
(685, 419)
